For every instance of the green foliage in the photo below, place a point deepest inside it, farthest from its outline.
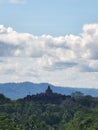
(83, 121)
(7, 124)
(40, 113)
(77, 94)
(3, 99)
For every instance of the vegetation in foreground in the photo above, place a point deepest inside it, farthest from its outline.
(49, 111)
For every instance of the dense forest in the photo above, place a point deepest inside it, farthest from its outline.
(49, 111)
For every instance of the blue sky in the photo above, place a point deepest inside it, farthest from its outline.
(54, 17)
(49, 41)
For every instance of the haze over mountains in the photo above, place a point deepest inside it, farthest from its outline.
(20, 90)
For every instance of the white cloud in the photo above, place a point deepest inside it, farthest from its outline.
(48, 54)
(50, 49)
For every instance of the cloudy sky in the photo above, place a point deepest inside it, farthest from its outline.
(53, 41)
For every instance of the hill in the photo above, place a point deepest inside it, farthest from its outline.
(49, 111)
(20, 90)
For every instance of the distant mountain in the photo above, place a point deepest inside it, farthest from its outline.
(20, 90)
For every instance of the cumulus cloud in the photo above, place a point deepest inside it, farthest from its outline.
(60, 66)
(18, 67)
(53, 52)
(88, 66)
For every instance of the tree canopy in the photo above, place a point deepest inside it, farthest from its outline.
(50, 111)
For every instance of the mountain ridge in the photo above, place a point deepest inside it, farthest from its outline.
(22, 89)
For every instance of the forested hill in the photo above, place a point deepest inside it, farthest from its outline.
(20, 90)
(49, 111)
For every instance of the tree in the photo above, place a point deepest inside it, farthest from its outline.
(7, 124)
(77, 94)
